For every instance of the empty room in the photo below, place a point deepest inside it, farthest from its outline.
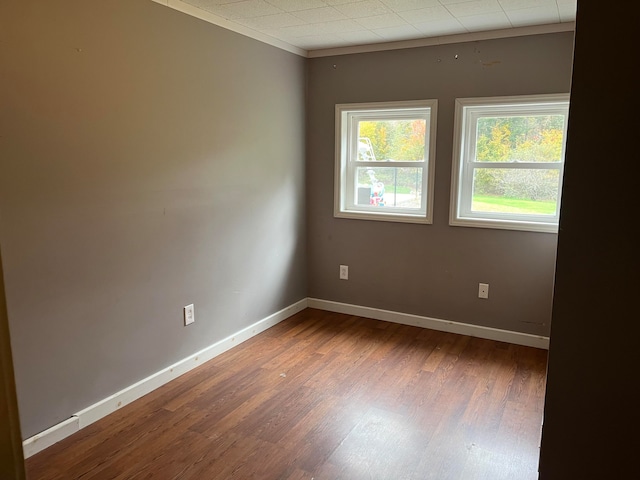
(311, 239)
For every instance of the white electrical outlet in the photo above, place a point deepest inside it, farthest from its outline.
(189, 315)
(483, 290)
(344, 272)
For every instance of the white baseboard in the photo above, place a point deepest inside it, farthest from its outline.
(432, 323)
(45, 439)
(101, 409)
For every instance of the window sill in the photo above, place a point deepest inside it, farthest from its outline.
(505, 225)
(384, 217)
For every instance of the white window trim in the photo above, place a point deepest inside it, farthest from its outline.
(342, 208)
(459, 214)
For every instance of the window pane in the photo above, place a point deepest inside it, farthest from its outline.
(392, 140)
(389, 187)
(521, 191)
(535, 138)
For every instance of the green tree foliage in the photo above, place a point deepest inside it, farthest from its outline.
(493, 145)
(524, 139)
(519, 139)
(399, 140)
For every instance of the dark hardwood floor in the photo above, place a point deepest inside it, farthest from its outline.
(326, 396)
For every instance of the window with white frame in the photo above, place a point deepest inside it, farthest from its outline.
(385, 155)
(508, 162)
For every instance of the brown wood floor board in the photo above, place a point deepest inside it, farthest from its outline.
(443, 345)
(296, 474)
(312, 440)
(214, 458)
(223, 402)
(238, 358)
(330, 431)
(365, 451)
(296, 353)
(281, 413)
(326, 396)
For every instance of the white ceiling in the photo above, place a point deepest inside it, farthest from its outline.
(305, 26)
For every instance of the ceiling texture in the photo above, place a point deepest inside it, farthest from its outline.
(317, 27)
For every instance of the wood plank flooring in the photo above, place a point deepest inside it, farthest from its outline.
(326, 396)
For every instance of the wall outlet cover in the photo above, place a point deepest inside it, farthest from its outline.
(189, 315)
(344, 272)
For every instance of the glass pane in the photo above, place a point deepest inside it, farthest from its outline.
(510, 190)
(392, 140)
(520, 139)
(389, 187)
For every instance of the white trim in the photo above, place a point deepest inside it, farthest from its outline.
(446, 39)
(384, 217)
(45, 439)
(347, 116)
(522, 226)
(234, 27)
(374, 47)
(489, 333)
(112, 403)
(101, 409)
(467, 113)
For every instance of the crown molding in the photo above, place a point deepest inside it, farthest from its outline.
(209, 17)
(446, 39)
(234, 27)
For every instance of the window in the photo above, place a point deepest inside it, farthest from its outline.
(385, 160)
(508, 162)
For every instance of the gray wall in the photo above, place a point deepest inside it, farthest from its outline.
(591, 408)
(431, 270)
(148, 160)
